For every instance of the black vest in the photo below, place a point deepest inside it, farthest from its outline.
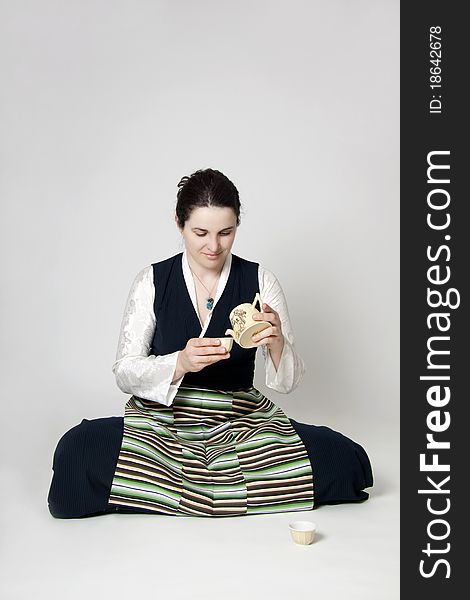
(177, 321)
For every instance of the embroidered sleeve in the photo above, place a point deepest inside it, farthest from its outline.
(291, 366)
(138, 372)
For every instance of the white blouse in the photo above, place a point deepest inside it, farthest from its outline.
(148, 376)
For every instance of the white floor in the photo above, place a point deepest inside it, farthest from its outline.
(355, 555)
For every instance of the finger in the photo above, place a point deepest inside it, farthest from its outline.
(263, 334)
(267, 310)
(265, 317)
(207, 342)
(213, 350)
(212, 358)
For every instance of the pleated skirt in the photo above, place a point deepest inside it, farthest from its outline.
(211, 453)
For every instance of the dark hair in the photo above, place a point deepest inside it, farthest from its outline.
(205, 187)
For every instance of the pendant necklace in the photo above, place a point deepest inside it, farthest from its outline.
(210, 299)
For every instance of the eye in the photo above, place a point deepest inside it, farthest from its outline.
(203, 234)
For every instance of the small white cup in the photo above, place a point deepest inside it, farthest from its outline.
(303, 532)
(227, 342)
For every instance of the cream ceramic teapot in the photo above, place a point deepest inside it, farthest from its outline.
(244, 326)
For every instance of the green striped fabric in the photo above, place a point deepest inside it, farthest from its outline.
(212, 453)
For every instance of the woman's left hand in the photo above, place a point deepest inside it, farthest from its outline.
(271, 335)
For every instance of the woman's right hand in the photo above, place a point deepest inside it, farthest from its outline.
(199, 353)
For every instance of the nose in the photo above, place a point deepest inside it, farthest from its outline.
(213, 246)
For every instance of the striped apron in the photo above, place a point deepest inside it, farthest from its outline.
(211, 453)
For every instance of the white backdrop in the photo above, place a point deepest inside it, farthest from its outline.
(106, 105)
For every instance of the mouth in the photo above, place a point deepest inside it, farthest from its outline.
(213, 255)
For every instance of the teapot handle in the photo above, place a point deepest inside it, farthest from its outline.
(257, 299)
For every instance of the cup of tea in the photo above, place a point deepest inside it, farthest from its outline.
(303, 532)
(227, 342)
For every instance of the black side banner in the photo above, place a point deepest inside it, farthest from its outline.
(435, 250)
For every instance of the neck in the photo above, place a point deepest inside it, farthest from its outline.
(202, 272)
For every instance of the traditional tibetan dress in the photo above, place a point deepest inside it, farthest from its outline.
(222, 448)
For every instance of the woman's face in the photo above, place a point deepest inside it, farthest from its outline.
(209, 234)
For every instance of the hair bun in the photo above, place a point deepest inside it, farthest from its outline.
(183, 180)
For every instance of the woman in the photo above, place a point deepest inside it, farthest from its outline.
(197, 438)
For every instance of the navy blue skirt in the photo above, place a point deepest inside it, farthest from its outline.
(85, 460)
